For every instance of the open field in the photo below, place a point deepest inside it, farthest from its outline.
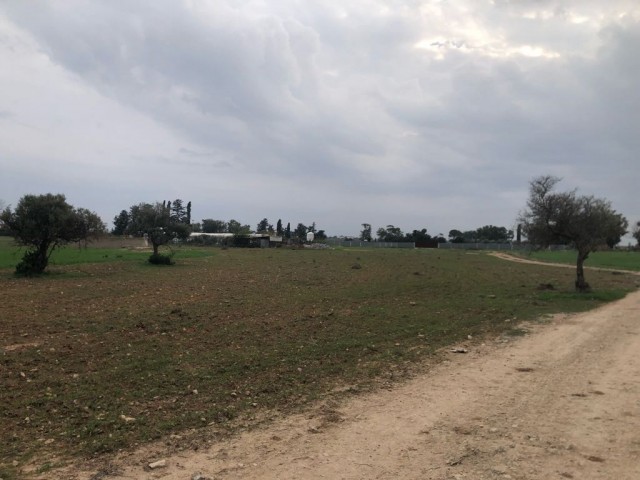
(624, 260)
(98, 357)
(10, 254)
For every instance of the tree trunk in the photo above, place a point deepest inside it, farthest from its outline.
(43, 257)
(155, 248)
(581, 283)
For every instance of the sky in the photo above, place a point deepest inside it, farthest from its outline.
(421, 114)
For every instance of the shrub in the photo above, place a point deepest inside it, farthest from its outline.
(160, 259)
(32, 264)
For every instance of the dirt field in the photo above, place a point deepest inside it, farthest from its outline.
(560, 402)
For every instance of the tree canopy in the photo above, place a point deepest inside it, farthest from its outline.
(365, 233)
(485, 234)
(158, 222)
(264, 226)
(120, 223)
(44, 222)
(209, 225)
(585, 222)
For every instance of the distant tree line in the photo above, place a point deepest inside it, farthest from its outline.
(486, 234)
(264, 226)
(391, 233)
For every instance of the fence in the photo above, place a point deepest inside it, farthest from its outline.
(359, 243)
(497, 246)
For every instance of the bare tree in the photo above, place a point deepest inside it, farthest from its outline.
(585, 222)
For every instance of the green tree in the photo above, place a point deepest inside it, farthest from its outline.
(178, 212)
(455, 236)
(44, 222)
(120, 223)
(264, 226)
(636, 233)
(90, 225)
(156, 222)
(287, 232)
(418, 236)
(210, 225)
(390, 234)
(188, 219)
(300, 233)
(585, 222)
(491, 233)
(4, 230)
(279, 228)
(365, 233)
(237, 228)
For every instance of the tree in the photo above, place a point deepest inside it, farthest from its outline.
(264, 226)
(287, 232)
(279, 228)
(4, 230)
(158, 224)
(237, 228)
(209, 225)
(636, 233)
(455, 236)
(120, 223)
(300, 232)
(491, 233)
(90, 225)
(320, 235)
(390, 234)
(178, 212)
(418, 236)
(42, 223)
(188, 219)
(585, 222)
(365, 233)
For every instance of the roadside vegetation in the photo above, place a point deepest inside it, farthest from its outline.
(622, 260)
(111, 352)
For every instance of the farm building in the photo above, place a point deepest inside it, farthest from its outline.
(249, 240)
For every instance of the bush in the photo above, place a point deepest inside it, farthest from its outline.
(32, 264)
(160, 259)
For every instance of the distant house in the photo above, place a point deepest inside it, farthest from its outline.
(261, 240)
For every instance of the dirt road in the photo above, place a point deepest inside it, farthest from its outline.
(560, 402)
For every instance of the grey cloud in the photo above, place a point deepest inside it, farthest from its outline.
(339, 98)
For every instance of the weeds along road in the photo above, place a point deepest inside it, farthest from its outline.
(561, 402)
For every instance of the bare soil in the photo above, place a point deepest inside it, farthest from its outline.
(562, 401)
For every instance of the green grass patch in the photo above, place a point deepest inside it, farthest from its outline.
(11, 254)
(622, 260)
(103, 356)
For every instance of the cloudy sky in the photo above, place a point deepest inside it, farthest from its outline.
(423, 114)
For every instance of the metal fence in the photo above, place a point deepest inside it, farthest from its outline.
(497, 246)
(359, 243)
